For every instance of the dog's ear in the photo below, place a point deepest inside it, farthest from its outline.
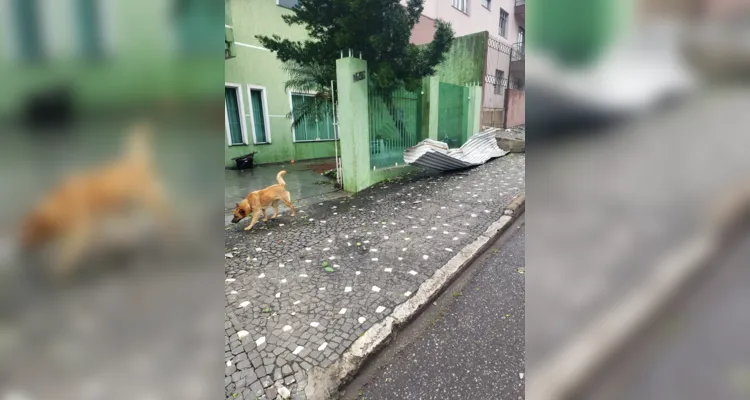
(236, 204)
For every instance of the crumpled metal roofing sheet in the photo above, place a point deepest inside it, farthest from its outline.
(436, 155)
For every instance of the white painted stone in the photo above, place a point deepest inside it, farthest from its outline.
(283, 281)
(261, 276)
(229, 363)
(380, 309)
(407, 294)
(298, 350)
(361, 320)
(244, 304)
(308, 261)
(321, 289)
(286, 328)
(326, 248)
(413, 272)
(284, 392)
(297, 302)
(228, 255)
(307, 248)
(314, 324)
(520, 375)
(388, 269)
(323, 346)
(357, 273)
(233, 292)
(303, 275)
(375, 289)
(429, 237)
(347, 289)
(424, 257)
(281, 265)
(404, 249)
(343, 311)
(374, 250)
(374, 259)
(448, 249)
(473, 215)
(229, 280)
(260, 341)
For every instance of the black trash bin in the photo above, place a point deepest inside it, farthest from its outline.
(245, 162)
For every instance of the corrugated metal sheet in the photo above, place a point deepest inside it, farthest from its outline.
(436, 155)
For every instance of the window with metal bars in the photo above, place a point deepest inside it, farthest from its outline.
(503, 23)
(312, 128)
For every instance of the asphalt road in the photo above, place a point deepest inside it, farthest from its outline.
(697, 349)
(468, 345)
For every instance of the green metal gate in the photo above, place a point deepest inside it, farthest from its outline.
(395, 119)
(453, 116)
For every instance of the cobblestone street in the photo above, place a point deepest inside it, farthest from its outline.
(300, 290)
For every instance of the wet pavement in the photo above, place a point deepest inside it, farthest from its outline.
(607, 208)
(305, 185)
(299, 291)
(474, 347)
(697, 349)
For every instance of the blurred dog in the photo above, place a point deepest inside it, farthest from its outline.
(68, 214)
(259, 200)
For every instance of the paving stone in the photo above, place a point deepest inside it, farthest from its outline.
(459, 206)
(271, 393)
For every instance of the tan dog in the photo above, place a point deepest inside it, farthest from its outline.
(68, 213)
(257, 202)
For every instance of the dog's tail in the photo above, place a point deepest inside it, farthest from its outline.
(280, 179)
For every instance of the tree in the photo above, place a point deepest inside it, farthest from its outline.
(379, 30)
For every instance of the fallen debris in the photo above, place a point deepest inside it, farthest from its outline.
(432, 154)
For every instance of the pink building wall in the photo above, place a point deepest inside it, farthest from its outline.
(515, 108)
(477, 19)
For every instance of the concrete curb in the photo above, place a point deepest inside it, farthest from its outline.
(573, 367)
(324, 383)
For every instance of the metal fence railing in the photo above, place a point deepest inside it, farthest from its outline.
(503, 83)
(395, 123)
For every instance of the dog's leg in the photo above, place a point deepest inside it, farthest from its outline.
(265, 216)
(256, 215)
(71, 249)
(288, 201)
(275, 209)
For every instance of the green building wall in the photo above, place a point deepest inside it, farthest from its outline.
(259, 67)
(139, 66)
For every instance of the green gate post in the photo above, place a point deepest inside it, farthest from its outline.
(354, 130)
(474, 113)
(431, 107)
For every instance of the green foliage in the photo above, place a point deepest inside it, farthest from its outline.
(379, 30)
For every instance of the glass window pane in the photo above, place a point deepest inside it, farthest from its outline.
(233, 115)
(259, 121)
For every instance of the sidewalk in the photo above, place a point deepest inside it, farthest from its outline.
(472, 343)
(301, 290)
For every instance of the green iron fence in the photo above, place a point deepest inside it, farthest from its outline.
(395, 124)
(453, 116)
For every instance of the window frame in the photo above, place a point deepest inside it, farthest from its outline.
(294, 130)
(456, 3)
(241, 110)
(278, 3)
(489, 4)
(264, 104)
(504, 17)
